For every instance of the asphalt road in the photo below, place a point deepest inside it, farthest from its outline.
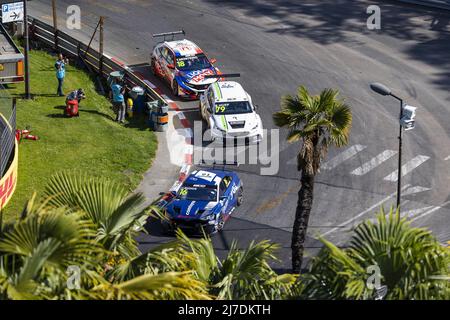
(278, 45)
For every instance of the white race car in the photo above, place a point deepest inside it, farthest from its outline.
(230, 113)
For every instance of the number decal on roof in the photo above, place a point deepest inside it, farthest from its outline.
(205, 175)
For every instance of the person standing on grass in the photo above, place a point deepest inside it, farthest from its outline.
(118, 92)
(60, 66)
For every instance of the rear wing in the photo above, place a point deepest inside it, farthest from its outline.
(166, 35)
(215, 165)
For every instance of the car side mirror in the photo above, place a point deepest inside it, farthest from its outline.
(171, 66)
(256, 107)
(213, 60)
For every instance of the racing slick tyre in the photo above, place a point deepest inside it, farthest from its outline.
(220, 224)
(175, 88)
(240, 196)
(166, 229)
(153, 67)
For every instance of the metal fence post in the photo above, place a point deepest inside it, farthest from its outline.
(100, 65)
(55, 24)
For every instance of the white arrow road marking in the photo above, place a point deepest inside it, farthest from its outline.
(415, 189)
(407, 167)
(415, 212)
(343, 156)
(430, 211)
(374, 162)
(392, 195)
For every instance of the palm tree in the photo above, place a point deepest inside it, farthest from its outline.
(115, 215)
(318, 121)
(36, 251)
(411, 263)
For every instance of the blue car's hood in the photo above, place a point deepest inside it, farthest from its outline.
(197, 77)
(190, 209)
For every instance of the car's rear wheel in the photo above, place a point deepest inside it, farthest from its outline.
(240, 196)
(175, 88)
(153, 67)
(220, 223)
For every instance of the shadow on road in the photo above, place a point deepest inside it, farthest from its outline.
(329, 22)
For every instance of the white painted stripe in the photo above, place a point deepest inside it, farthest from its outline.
(448, 158)
(407, 167)
(431, 211)
(415, 189)
(374, 162)
(176, 186)
(189, 149)
(343, 156)
(186, 132)
(392, 195)
(185, 169)
(181, 115)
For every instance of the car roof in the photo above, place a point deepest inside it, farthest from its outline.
(209, 177)
(225, 91)
(183, 48)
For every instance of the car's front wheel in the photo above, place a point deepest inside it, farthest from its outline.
(153, 67)
(175, 88)
(240, 196)
(220, 223)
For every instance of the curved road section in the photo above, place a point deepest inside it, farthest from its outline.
(278, 45)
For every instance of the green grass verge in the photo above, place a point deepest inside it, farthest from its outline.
(92, 143)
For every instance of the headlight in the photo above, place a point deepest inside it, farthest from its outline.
(220, 130)
(209, 216)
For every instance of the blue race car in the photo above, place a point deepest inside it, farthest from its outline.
(205, 201)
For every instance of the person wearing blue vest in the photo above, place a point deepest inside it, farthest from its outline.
(60, 66)
(118, 101)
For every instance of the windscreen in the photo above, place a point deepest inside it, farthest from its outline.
(198, 193)
(197, 62)
(234, 107)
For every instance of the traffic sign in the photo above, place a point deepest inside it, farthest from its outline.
(12, 12)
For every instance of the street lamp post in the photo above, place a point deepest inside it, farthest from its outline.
(385, 91)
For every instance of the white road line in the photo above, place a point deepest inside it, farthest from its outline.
(392, 195)
(431, 211)
(374, 162)
(343, 156)
(407, 167)
(448, 158)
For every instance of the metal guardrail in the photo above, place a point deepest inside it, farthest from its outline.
(44, 33)
(7, 136)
